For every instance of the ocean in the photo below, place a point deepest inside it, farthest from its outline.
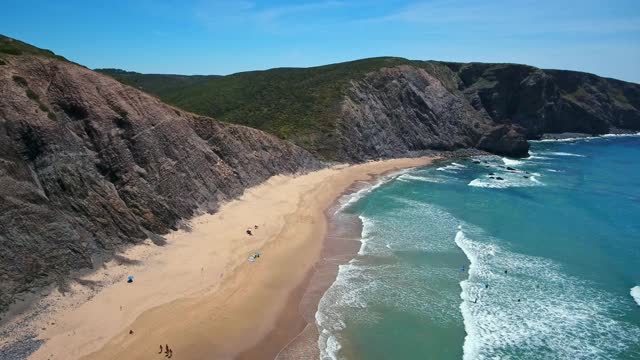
(543, 264)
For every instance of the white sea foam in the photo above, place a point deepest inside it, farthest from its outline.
(350, 199)
(509, 181)
(510, 178)
(635, 293)
(585, 138)
(558, 316)
(621, 135)
(511, 162)
(367, 225)
(559, 153)
(431, 179)
(333, 346)
(536, 156)
(388, 281)
(453, 167)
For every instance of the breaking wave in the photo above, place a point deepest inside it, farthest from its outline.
(453, 167)
(559, 153)
(635, 293)
(519, 306)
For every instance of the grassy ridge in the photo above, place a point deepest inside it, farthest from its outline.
(16, 47)
(301, 104)
(297, 104)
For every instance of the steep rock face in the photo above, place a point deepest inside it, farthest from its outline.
(549, 101)
(505, 139)
(321, 108)
(88, 164)
(397, 110)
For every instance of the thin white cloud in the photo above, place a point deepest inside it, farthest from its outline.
(215, 12)
(522, 17)
(275, 13)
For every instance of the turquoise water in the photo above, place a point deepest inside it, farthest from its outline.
(541, 265)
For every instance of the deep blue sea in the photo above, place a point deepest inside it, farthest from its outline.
(543, 264)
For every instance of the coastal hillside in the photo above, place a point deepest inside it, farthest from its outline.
(386, 106)
(88, 165)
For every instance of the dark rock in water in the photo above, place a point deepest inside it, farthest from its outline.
(510, 168)
(525, 176)
(491, 177)
(476, 162)
(565, 135)
(491, 174)
(105, 165)
(505, 140)
(499, 178)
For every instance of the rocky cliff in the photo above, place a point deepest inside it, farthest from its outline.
(382, 107)
(549, 101)
(395, 111)
(88, 164)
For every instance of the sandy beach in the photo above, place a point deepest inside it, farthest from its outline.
(198, 293)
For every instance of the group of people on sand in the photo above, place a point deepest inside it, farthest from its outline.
(256, 255)
(167, 352)
(249, 230)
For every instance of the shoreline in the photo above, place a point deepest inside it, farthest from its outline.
(340, 245)
(198, 293)
(564, 137)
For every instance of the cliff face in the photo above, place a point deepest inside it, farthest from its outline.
(402, 109)
(384, 107)
(549, 101)
(88, 164)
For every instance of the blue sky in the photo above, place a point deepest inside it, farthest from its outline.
(222, 37)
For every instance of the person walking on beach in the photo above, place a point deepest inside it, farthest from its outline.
(249, 232)
(166, 352)
(170, 353)
(160, 349)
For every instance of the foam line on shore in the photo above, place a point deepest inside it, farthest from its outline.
(573, 317)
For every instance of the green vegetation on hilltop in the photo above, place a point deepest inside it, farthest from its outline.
(157, 84)
(302, 104)
(16, 47)
(298, 104)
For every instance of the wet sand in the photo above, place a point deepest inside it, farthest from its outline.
(200, 295)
